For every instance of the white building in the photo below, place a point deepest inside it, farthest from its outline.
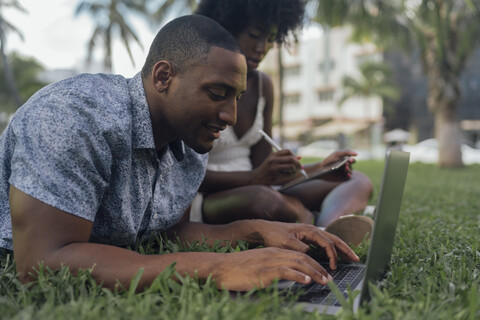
(313, 71)
(54, 75)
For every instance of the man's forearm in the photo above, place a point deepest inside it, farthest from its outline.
(245, 230)
(111, 265)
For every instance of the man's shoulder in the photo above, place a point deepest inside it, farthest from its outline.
(96, 94)
(96, 105)
(94, 90)
(98, 86)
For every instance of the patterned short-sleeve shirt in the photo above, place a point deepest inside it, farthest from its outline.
(85, 145)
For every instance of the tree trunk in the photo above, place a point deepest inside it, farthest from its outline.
(443, 97)
(449, 137)
(442, 101)
(9, 77)
(108, 50)
(280, 94)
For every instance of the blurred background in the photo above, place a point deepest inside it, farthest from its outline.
(361, 74)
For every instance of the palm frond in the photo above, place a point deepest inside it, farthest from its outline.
(97, 32)
(127, 34)
(163, 10)
(170, 7)
(6, 27)
(109, 17)
(90, 7)
(13, 4)
(373, 81)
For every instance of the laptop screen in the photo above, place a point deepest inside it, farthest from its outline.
(386, 217)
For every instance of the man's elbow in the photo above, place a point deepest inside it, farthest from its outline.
(26, 269)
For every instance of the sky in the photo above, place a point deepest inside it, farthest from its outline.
(58, 39)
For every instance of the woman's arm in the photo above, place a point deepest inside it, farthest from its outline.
(278, 168)
(261, 150)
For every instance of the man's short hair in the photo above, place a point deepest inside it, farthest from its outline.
(186, 41)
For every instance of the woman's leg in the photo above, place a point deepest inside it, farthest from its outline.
(253, 202)
(334, 199)
(349, 197)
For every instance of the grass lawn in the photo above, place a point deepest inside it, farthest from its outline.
(434, 271)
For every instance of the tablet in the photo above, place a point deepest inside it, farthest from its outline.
(315, 174)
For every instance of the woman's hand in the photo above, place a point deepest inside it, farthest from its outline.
(342, 174)
(277, 169)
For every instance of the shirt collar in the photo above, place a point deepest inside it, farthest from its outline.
(142, 131)
(178, 149)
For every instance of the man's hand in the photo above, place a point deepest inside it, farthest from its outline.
(297, 236)
(258, 268)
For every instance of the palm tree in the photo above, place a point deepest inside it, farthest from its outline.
(374, 81)
(25, 71)
(6, 27)
(445, 31)
(110, 17)
(166, 8)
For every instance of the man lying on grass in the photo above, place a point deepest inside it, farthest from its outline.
(94, 163)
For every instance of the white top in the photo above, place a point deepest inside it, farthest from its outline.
(232, 154)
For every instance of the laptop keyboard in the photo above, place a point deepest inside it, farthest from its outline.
(319, 294)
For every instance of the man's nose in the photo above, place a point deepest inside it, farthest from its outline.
(228, 113)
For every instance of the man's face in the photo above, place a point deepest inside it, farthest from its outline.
(204, 98)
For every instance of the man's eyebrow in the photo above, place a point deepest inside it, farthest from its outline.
(227, 87)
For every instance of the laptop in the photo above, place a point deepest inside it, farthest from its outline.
(357, 276)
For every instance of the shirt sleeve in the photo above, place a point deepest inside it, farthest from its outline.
(61, 156)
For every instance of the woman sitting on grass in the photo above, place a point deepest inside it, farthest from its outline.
(242, 167)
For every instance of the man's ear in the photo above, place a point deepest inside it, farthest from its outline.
(163, 72)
